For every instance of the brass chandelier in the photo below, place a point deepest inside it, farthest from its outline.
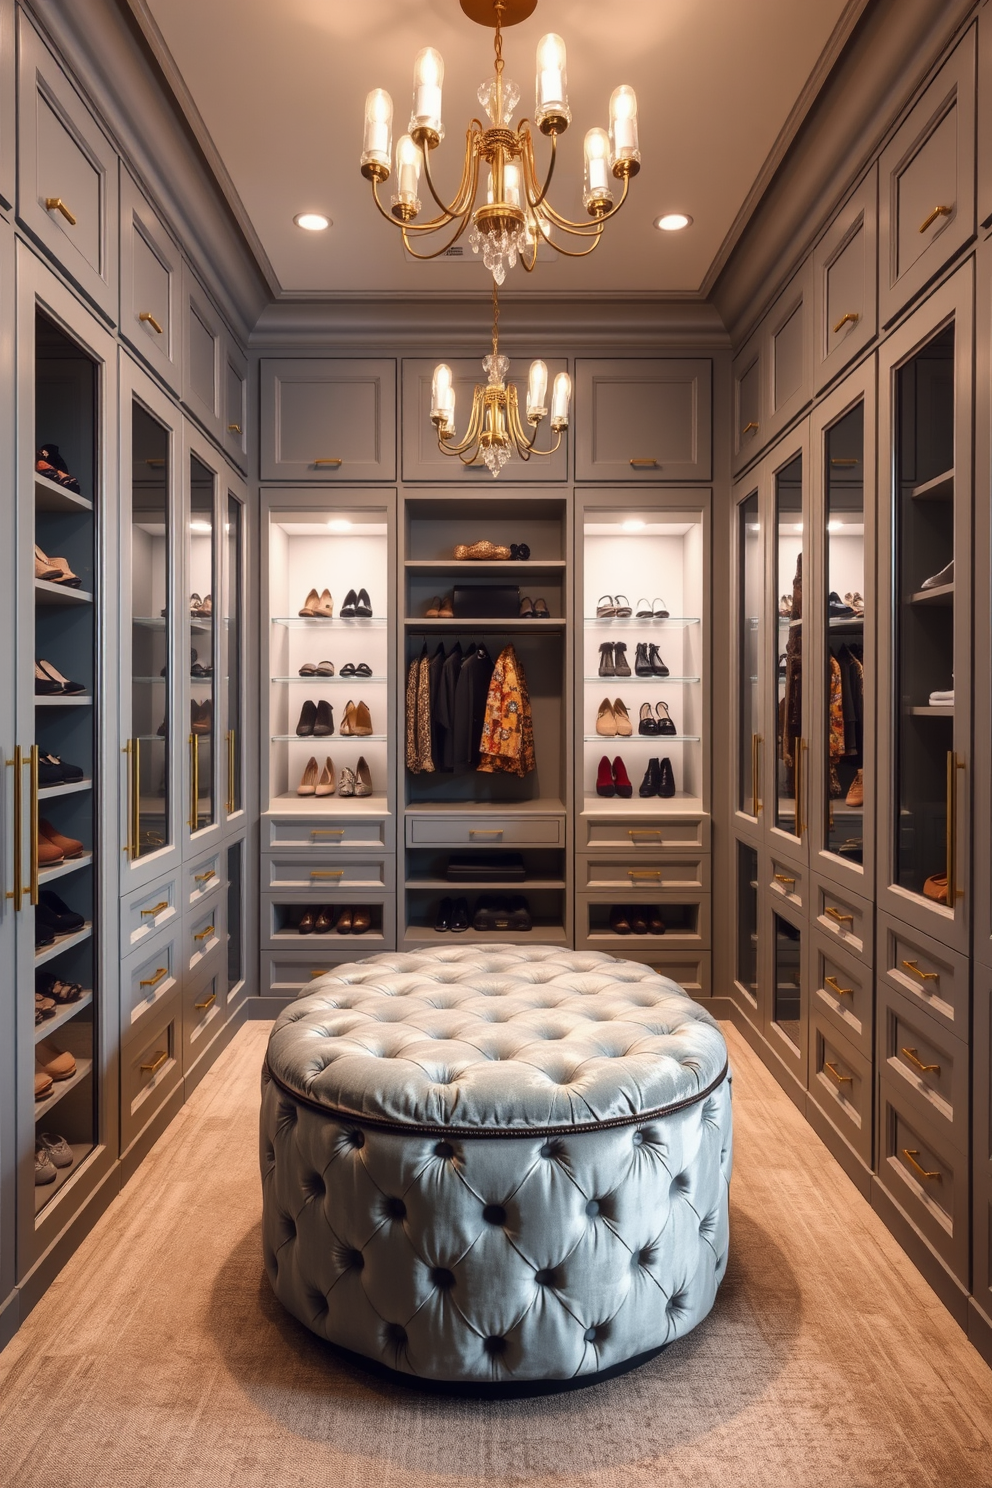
(515, 217)
(494, 429)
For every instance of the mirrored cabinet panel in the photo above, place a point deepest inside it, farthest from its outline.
(232, 651)
(790, 747)
(151, 740)
(750, 597)
(746, 968)
(201, 571)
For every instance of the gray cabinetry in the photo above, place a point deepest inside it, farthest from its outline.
(235, 390)
(982, 1137)
(203, 342)
(328, 418)
(773, 371)
(845, 289)
(643, 420)
(424, 461)
(151, 285)
(8, 96)
(927, 183)
(67, 189)
(748, 395)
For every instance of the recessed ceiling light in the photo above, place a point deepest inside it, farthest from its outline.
(339, 524)
(673, 221)
(633, 524)
(312, 221)
(200, 527)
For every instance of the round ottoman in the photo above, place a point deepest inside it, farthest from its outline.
(496, 1165)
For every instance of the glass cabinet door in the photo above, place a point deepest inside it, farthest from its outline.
(232, 651)
(787, 598)
(750, 595)
(787, 1012)
(746, 969)
(201, 570)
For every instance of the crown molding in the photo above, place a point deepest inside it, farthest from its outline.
(450, 325)
(892, 48)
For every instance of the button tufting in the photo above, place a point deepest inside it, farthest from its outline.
(494, 1345)
(547, 1276)
(443, 1149)
(638, 1139)
(494, 1214)
(355, 1261)
(396, 1209)
(442, 1278)
(357, 1139)
(590, 1335)
(592, 1208)
(395, 1334)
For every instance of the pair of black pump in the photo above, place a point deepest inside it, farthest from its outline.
(648, 660)
(356, 606)
(659, 779)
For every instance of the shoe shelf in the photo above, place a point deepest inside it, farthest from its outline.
(535, 806)
(62, 943)
(288, 803)
(659, 742)
(57, 595)
(943, 595)
(292, 937)
(482, 623)
(60, 870)
(322, 739)
(73, 787)
(931, 710)
(463, 888)
(77, 700)
(327, 622)
(631, 622)
(49, 496)
(633, 681)
(485, 566)
(352, 682)
(421, 935)
(64, 1015)
(940, 488)
(681, 803)
(44, 1192)
(199, 624)
(62, 1088)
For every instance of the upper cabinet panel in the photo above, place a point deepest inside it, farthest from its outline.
(8, 105)
(639, 419)
(748, 400)
(927, 184)
(67, 175)
(424, 461)
(236, 404)
(151, 274)
(788, 353)
(328, 418)
(203, 341)
(845, 284)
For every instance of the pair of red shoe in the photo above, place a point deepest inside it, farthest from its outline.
(613, 780)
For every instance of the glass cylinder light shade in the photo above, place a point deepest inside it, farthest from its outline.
(596, 149)
(408, 160)
(378, 146)
(537, 391)
(623, 124)
(440, 387)
(552, 81)
(560, 398)
(428, 75)
(511, 184)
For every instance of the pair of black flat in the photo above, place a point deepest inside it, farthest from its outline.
(356, 606)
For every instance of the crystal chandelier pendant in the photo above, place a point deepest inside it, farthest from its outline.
(487, 96)
(499, 249)
(495, 456)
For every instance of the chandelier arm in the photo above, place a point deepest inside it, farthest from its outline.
(530, 166)
(432, 226)
(424, 257)
(463, 196)
(471, 434)
(591, 228)
(575, 252)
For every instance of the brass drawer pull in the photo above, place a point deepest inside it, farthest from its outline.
(149, 319)
(645, 464)
(636, 832)
(839, 460)
(853, 318)
(653, 873)
(316, 971)
(836, 914)
(234, 428)
(203, 877)
(835, 986)
(56, 204)
(327, 873)
(335, 460)
(156, 1064)
(929, 220)
(914, 1059)
(201, 1007)
(784, 878)
(924, 976)
(204, 934)
(841, 1079)
(163, 971)
(327, 831)
(156, 909)
(485, 831)
(911, 1154)
(748, 427)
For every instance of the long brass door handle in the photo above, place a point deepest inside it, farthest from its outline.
(56, 204)
(924, 976)
(132, 805)
(18, 763)
(841, 1079)
(156, 1064)
(232, 764)
(209, 1002)
(851, 317)
(911, 1154)
(931, 217)
(193, 819)
(951, 846)
(163, 971)
(148, 318)
(33, 761)
(835, 986)
(925, 1069)
(756, 741)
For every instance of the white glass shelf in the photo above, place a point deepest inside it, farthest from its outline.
(199, 624)
(657, 741)
(636, 805)
(64, 700)
(942, 595)
(352, 682)
(70, 788)
(633, 681)
(322, 739)
(941, 488)
(629, 622)
(326, 622)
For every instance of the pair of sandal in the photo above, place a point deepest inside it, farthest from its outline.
(440, 609)
(613, 607)
(321, 669)
(49, 681)
(653, 610)
(536, 609)
(200, 607)
(49, 463)
(54, 570)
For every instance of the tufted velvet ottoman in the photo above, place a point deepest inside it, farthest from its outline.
(496, 1165)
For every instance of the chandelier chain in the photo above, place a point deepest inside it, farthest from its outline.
(495, 319)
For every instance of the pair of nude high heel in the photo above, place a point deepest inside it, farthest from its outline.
(54, 570)
(317, 782)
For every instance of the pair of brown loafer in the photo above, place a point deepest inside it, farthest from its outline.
(349, 920)
(636, 919)
(440, 609)
(54, 847)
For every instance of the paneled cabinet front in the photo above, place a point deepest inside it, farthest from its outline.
(927, 184)
(845, 289)
(328, 418)
(773, 371)
(422, 458)
(203, 345)
(67, 189)
(8, 97)
(151, 274)
(643, 419)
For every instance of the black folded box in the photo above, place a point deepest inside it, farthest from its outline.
(486, 601)
(486, 867)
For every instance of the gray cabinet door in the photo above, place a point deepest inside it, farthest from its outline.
(643, 420)
(67, 175)
(927, 184)
(235, 389)
(787, 353)
(424, 461)
(203, 339)
(151, 271)
(749, 411)
(982, 1198)
(8, 104)
(845, 284)
(328, 418)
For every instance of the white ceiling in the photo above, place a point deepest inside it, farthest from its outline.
(280, 86)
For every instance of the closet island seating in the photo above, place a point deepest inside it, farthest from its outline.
(496, 1166)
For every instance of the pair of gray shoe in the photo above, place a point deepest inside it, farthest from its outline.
(51, 1152)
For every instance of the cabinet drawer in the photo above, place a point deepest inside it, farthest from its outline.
(749, 410)
(843, 992)
(204, 1002)
(149, 977)
(151, 285)
(925, 971)
(328, 419)
(151, 1068)
(346, 876)
(281, 915)
(645, 873)
(686, 917)
(203, 878)
(841, 1084)
(64, 157)
(423, 461)
(926, 1179)
(690, 970)
(927, 1064)
(785, 881)
(457, 829)
(286, 975)
(927, 184)
(235, 389)
(321, 833)
(145, 912)
(205, 933)
(845, 917)
(668, 832)
(203, 339)
(845, 294)
(644, 419)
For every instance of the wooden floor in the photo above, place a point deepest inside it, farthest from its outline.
(160, 1357)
